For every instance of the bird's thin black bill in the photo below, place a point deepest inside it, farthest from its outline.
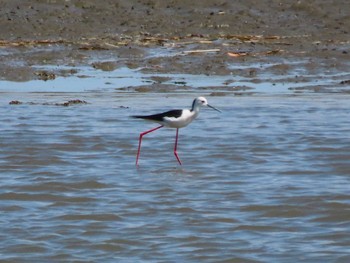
(213, 108)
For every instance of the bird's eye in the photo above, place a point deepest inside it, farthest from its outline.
(202, 101)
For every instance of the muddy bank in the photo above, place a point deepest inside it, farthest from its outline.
(76, 19)
(206, 37)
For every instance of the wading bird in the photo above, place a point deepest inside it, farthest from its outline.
(173, 119)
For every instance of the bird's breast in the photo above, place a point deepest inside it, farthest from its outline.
(185, 119)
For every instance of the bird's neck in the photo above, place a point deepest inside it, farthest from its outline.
(195, 109)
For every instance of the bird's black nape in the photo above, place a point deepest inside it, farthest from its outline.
(193, 103)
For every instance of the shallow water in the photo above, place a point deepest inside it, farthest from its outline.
(267, 180)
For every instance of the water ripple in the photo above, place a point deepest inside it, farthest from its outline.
(267, 180)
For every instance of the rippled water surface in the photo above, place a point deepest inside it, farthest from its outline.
(267, 180)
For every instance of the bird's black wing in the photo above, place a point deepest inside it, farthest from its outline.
(160, 116)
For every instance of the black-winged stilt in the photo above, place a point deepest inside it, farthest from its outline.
(173, 119)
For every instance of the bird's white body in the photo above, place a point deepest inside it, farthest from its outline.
(186, 117)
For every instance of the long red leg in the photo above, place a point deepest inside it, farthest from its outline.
(140, 140)
(175, 148)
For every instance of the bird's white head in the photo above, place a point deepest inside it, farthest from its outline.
(201, 101)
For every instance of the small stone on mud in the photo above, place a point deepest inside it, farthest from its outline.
(345, 82)
(15, 102)
(105, 66)
(45, 75)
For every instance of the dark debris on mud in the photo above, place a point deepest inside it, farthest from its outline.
(65, 104)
